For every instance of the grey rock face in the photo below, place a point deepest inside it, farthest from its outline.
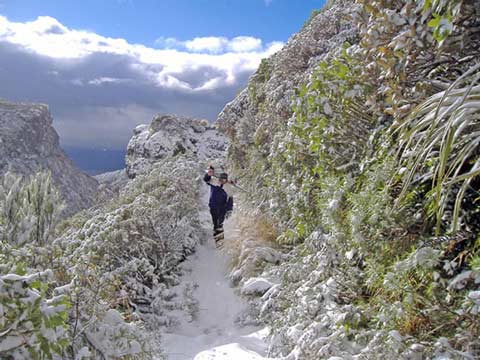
(112, 182)
(267, 100)
(169, 135)
(29, 143)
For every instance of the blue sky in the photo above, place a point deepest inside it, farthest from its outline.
(105, 66)
(143, 21)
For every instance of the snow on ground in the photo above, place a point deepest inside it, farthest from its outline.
(212, 331)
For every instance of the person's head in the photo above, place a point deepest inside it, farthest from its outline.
(223, 178)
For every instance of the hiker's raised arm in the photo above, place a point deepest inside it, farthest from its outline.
(208, 176)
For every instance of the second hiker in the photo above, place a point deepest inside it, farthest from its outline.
(220, 203)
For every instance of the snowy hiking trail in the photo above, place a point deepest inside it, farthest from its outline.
(212, 333)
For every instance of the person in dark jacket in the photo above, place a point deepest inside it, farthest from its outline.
(220, 203)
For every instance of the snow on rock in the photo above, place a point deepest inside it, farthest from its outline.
(112, 181)
(29, 144)
(252, 257)
(475, 296)
(170, 135)
(256, 286)
(257, 254)
(460, 280)
(266, 102)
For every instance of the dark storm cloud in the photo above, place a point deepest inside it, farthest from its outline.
(100, 88)
(104, 95)
(198, 76)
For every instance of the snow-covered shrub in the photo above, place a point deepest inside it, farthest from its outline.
(33, 325)
(373, 223)
(309, 311)
(112, 337)
(367, 279)
(112, 263)
(29, 209)
(120, 255)
(148, 230)
(33, 321)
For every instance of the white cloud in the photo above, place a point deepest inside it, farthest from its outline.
(211, 44)
(81, 72)
(47, 36)
(168, 43)
(274, 46)
(245, 44)
(47, 25)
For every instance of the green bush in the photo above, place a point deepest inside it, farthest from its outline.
(30, 320)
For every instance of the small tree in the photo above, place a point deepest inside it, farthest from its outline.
(29, 210)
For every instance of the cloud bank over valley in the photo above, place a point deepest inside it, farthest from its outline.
(99, 88)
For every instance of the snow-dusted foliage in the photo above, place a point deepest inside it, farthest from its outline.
(32, 318)
(112, 264)
(29, 211)
(129, 249)
(31, 323)
(373, 269)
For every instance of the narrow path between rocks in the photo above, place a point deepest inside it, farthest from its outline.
(213, 332)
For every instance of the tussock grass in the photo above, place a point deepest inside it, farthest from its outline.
(439, 142)
(246, 231)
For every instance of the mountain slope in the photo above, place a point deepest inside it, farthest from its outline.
(357, 144)
(29, 143)
(253, 118)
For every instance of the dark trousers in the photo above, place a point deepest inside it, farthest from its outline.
(218, 217)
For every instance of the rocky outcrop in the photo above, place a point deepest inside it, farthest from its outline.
(29, 143)
(170, 135)
(266, 102)
(341, 138)
(113, 181)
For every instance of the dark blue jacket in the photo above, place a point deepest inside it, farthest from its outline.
(219, 199)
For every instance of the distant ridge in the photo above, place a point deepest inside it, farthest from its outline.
(29, 143)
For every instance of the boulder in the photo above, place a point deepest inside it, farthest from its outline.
(256, 286)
